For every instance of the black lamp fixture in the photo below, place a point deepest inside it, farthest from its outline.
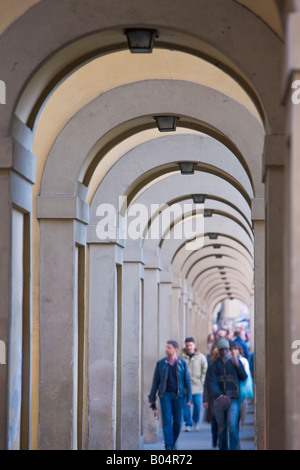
(140, 39)
(219, 256)
(166, 123)
(187, 168)
(199, 198)
(221, 267)
(222, 273)
(217, 247)
(208, 212)
(213, 236)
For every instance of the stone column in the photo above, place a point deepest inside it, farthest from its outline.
(203, 333)
(175, 314)
(291, 95)
(5, 280)
(258, 216)
(105, 347)
(165, 304)
(275, 364)
(133, 272)
(189, 317)
(150, 335)
(196, 323)
(182, 319)
(17, 174)
(62, 227)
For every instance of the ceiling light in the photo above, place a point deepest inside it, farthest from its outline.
(166, 123)
(140, 40)
(213, 236)
(208, 212)
(199, 198)
(187, 168)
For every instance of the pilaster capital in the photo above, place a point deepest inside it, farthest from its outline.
(166, 277)
(274, 151)
(153, 262)
(62, 207)
(133, 254)
(14, 156)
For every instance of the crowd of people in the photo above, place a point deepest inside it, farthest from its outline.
(220, 382)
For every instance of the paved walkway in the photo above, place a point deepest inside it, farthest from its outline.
(201, 440)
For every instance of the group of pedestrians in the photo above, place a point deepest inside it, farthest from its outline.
(221, 381)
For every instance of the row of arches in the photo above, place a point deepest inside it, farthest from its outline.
(95, 313)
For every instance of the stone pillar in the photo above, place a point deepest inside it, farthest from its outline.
(62, 228)
(182, 319)
(291, 95)
(203, 332)
(165, 304)
(275, 364)
(105, 333)
(189, 317)
(17, 174)
(5, 280)
(175, 314)
(133, 272)
(258, 216)
(150, 335)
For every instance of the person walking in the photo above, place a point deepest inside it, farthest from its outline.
(208, 404)
(239, 339)
(223, 377)
(246, 387)
(197, 366)
(172, 381)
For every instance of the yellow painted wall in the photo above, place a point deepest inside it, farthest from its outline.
(10, 10)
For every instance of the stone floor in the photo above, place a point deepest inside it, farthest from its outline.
(201, 440)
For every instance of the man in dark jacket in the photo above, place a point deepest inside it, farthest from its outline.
(172, 381)
(223, 377)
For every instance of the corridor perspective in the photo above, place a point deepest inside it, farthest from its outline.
(149, 183)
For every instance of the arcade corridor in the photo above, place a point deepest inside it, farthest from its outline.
(148, 174)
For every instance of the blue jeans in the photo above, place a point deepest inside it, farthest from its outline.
(171, 408)
(228, 420)
(196, 411)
